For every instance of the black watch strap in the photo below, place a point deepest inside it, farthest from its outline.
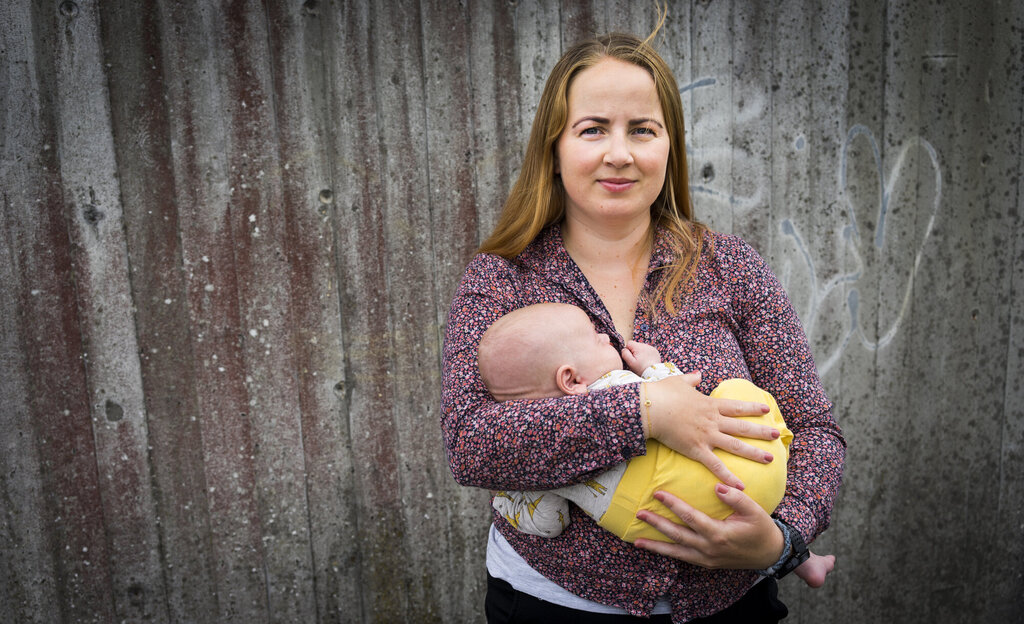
(797, 554)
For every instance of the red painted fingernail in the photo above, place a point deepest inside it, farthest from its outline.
(722, 488)
(775, 434)
(768, 457)
(765, 409)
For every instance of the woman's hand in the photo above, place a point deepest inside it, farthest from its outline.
(748, 539)
(691, 423)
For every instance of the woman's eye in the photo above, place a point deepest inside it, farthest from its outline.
(591, 131)
(645, 131)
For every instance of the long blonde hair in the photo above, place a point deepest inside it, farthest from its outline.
(537, 199)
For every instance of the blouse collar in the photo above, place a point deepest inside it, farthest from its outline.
(547, 256)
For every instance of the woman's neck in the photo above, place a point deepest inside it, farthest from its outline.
(611, 246)
(614, 261)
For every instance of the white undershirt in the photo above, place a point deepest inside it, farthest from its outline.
(504, 562)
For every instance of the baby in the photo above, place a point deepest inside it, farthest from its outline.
(551, 350)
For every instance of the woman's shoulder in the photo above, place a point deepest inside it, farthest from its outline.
(484, 262)
(730, 251)
(535, 256)
(486, 272)
(733, 264)
(490, 271)
(730, 244)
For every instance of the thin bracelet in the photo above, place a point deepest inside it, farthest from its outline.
(646, 409)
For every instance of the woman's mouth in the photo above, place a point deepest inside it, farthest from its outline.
(616, 185)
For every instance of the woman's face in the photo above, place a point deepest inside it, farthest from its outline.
(613, 152)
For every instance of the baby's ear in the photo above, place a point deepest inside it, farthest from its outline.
(568, 381)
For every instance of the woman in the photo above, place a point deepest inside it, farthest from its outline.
(600, 217)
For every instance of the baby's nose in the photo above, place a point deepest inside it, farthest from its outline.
(604, 337)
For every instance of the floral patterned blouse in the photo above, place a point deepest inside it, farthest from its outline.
(738, 322)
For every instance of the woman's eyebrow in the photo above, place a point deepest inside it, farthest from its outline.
(605, 120)
(594, 118)
(643, 120)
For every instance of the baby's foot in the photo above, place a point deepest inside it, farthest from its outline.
(814, 570)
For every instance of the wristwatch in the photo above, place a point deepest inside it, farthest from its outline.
(793, 553)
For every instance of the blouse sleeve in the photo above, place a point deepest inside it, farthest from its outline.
(522, 444)
(780, 361)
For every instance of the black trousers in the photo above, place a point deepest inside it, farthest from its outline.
(505, 605)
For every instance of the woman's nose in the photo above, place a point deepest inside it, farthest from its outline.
(618, 153)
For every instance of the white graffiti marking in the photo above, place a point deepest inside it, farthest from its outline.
(844, 280)
(853, 240)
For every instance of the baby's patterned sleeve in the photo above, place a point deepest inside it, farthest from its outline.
(659, 371)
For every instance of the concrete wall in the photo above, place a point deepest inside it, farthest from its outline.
(230, 232)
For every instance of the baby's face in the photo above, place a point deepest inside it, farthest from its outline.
(593, 352)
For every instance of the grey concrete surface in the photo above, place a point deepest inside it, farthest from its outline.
(230, 233)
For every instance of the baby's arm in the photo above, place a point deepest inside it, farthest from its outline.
(639, 356)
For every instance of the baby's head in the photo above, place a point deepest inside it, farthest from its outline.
(544, 350)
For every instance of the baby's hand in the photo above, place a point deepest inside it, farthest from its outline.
(639, 356)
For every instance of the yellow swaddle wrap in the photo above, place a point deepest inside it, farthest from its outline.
(664, 469)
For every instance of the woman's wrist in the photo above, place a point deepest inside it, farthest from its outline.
(652, 402)
(645, 409)
(784, 551)
(794, 552)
